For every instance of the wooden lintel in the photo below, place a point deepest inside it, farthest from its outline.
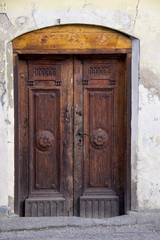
(72, 38)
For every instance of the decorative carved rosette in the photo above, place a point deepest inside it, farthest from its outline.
(99, 138)
(45, 140)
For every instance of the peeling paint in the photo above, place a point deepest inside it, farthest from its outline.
(151, 81)
(2, 93)
(21, 21)
(149, 150)
(7, 121)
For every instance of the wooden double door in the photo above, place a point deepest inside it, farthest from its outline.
(72, 135)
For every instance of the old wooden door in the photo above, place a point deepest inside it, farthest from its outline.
(72, 131)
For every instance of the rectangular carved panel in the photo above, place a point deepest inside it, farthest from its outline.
(44, 72)
(45, 207)
(100, 123)
(99, 71)
(99, 206)
(44, 157)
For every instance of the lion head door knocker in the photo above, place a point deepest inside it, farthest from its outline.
(45, 140)
(99, 138)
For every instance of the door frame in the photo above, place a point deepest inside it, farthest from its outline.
(19, 50)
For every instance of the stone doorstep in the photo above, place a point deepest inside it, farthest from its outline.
(29, 223)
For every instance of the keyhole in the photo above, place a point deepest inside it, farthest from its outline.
(79, 142)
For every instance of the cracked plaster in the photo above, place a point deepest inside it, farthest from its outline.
(135, 18)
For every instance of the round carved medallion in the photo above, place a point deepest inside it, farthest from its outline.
(45, 140)
(99, 138)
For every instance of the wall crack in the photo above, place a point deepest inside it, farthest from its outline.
(84, 6)
(135, 19)
(3, 89)
(33, 12)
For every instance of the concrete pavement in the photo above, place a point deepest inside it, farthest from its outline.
(133, 226)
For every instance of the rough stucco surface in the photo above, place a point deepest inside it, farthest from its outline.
(137, 18)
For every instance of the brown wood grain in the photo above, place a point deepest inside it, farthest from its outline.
(72, 122)
(104, 121)
(23, 121)
(72, 37)
(84, 118)
(78, 139)
(66, 136)
(45, 156)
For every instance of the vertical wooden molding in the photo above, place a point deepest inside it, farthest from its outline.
(16, 131)
(128, 135)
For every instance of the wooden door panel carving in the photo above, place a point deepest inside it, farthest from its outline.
(72, 111)
(50, 137)
(45, 131)
(102, 93)
(99, 124)
(99, 71)
(44, 72)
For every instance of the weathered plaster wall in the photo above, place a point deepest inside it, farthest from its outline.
(138, 18)
(148, 167)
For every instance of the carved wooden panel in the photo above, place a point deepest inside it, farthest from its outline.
(48, 105)
(100, 142)
(72, 136)
(103, 137)
(99, 71)
(44, 207)
(44, 132)
(44, 72)
(99, 206)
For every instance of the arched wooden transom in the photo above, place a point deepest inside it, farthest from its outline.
(75, 37)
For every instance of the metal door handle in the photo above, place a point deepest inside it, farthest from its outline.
(80, 133)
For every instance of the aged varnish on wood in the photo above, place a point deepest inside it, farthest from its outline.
(72, 129)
